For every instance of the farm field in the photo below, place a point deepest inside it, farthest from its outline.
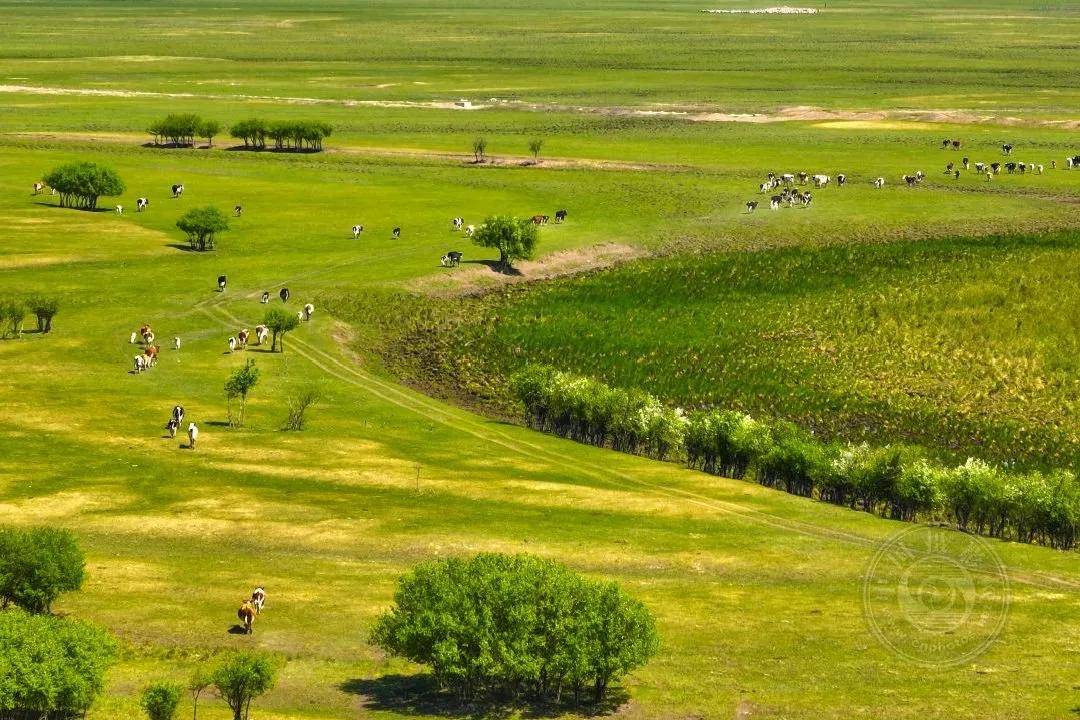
(944, 314)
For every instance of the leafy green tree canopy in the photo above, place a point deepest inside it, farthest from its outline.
(241, 678)
(38, 564)
(81, 184)
(202, 225)
(514, 238)
(280, 323)
(160, 700)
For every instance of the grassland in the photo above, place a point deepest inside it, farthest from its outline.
(758, 594)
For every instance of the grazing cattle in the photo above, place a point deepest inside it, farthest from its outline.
(396, 233)
(151, 354)
(956, 175)
(172, 426)
(806, 198)
(920, 175)
(995, 167)
(177, 190)
(356, 230)
(751, 205)
(560, 215)
(457, 223)
(967, 163)
(242, 338)
(764, 187)
(802, 178)
(119, 209)
(945, 144)
(1074, 161)
(221, 282)
(39, 187)
(178, 414)
(148, 337)
(265, 297)
(238, 210)
(232, 344)
(470, 230)
(821, 181)
(955, 144)
(451, 259)
(134, 336)
(145, 330)
(284, 294)
(948, 168)
(142, 363)
(261, 333)
(1039, 169)
(879, 183)
(176, 343)
(1022, 167)
(309, 310)
(774, 201)
(788, 179)
(141, 204)
(192, 435)
(1010, 167)
(841, 180)
(1006, 148)
(246, 614)
(979, 167)
(989, 176)
(539, 219)
(258, 598)
(911, 180)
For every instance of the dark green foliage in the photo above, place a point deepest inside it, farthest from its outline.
(286, 134)
(36, 565)
(160, 700)
(202, 226)
(44, 309)
(280, 323)
(252, 132)
(209, 129)
(516, 626)
(178, 130)
(891, 481)
(50, 667)
(514, 238)
(81, 184)
(241, 678)
(237, 387)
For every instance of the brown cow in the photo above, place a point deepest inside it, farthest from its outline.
(540, 219)
(151, 352)
(246, 614)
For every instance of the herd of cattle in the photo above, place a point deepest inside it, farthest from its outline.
(790, 183)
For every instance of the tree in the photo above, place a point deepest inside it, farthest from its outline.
(280, 323)
(202, 226)
(252, 132)
(299, 404)
(239, 384)
(208, 129)
(535, 146)
(160, 700)
(479, 147)
(81, 184)
(44, 309)
(516, 624)
(49, 666)
(38, 564)
(241, 678)
(514, 238)
(12, 315)
(197, 685)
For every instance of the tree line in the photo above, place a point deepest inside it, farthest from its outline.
(898, 482)
(181, 129)
(294, 135)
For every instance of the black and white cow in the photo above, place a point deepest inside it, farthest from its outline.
(774, 202)
(177, 190)
(238, 210)
(265, 297)
(178, 414)
(1006, 148)
(457, 223)
(751, 205)
(356, 230)
(451, 259)
(560, 215)
(284, 294)
(841, 180)
(221, 282)
(141, 204)
(397, 233)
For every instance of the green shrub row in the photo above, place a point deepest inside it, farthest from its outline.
(295, 135)
(893, 481)
(516, 626)
(181, 129)
(13, 311)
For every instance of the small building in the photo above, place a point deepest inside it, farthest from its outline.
(463, 103)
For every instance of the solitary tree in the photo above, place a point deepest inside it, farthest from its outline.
(299, 404)
(280, 323)
(197, 685)
(239, 384)
(36, 565)
(81, 184)
(241, 678)
(535, 146)
(160, 700)
(479, 147)
(202, 226)
(208, 129)
(514, 238)
(44, 309)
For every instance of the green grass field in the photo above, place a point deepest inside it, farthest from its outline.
(758, 594)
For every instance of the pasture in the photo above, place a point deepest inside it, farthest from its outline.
(758, 594)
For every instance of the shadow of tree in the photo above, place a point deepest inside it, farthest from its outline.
(420, 695)
(495, 266)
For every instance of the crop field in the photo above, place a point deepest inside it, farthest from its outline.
(944, 314)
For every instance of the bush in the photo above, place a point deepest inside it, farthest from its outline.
(50, 666)
(12, 316)
(516, 625)
(44, 309)
(299, 404)
(202, 226)
(160, 700)
(241, 678)
(38, 564)
(81, 184)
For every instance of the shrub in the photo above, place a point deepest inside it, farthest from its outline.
(516, 624)
(12, 316)
(38, 564)
(241, 678)
(299, 404)
(160, 700)
(202, 225)
(44, 309)
(50, 666)
(794, 461)
(81, 184)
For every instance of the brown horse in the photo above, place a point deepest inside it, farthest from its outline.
(247, 613)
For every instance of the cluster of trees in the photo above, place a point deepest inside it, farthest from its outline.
(181, 129)
(81, 184)
(50, 668)
(516, 626)
(479, 149)
(13, 312)
(239, 679)
(514, 238)
(296, 135)
(201, 225)
(893, 481)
